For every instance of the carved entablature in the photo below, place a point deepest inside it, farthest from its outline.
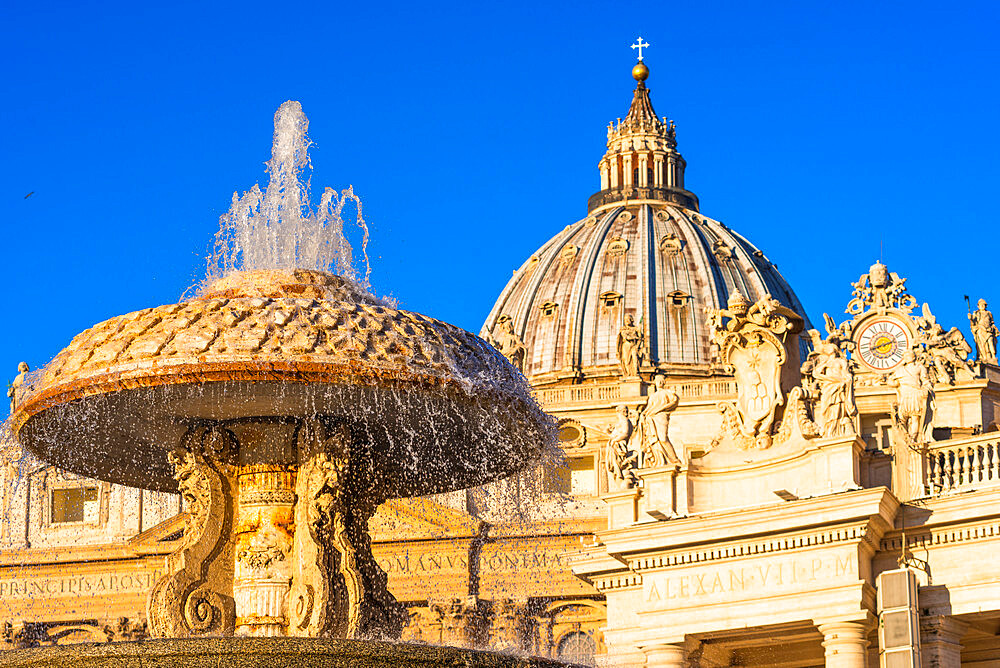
(759, 343)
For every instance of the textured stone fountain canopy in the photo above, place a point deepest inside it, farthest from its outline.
(437, 407)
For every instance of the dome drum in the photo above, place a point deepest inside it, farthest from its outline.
(676, 196)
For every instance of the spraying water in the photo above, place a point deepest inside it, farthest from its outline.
(279, 228)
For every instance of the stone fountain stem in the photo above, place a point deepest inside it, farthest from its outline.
(274, 548)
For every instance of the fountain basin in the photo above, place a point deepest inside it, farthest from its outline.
(273, 345)
(263, 653)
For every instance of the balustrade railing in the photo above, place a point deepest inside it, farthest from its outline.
(610, 392)
(969, 464)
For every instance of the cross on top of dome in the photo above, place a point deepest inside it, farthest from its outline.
(640, 45)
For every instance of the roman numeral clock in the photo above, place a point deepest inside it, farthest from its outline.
(881, 341)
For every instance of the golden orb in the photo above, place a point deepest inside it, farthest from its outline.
(640, 71)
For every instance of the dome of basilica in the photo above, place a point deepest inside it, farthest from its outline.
(643, 253)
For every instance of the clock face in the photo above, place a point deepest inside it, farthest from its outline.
(882, 342)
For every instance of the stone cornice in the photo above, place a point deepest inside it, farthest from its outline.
(874, 509)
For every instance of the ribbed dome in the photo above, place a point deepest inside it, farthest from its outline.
(644, 251)
(659, 263)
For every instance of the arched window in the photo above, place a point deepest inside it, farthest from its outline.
(577, 647)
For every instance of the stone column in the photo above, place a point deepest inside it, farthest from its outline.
(941, 641)
(263, 574)
(673, 655)
(845, 644)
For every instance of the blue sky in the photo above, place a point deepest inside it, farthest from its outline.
(472, 132)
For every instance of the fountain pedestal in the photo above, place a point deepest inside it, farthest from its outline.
(278, 548)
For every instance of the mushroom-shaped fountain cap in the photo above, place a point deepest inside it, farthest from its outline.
(439, 407)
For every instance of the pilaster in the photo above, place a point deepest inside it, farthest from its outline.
(941, 641)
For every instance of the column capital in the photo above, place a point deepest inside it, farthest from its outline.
(845, 641)
(665, 655)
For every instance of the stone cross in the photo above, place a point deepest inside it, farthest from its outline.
(640, 45)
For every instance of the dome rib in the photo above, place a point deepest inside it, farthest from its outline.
(581, 287)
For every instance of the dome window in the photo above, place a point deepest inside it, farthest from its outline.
(663, 216)
(617, 247)
(548, 309)
(678, 299)
(671, 244)
(721, 250)
(610, 299)
(568, 254)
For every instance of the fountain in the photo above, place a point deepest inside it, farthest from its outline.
(285, 403)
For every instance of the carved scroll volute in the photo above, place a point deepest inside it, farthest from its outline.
(338, 589)
(194, 598)
(317, 601)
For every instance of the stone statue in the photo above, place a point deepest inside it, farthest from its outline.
(948, 352)
(652, 436)
(509, 343)
(16, 384)
(984, 332)
(629, 348)
(832, 381)
(621, 460)
(914, 406)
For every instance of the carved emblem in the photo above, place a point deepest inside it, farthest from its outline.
(880, 289)
(755, 341)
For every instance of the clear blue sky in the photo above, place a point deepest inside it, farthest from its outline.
(472, 133)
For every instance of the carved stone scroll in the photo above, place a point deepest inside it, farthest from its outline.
(339, 589)
(194, 598)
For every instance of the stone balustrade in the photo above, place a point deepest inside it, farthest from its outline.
(611, 392)
(963, 465)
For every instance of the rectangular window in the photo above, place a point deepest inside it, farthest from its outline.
(75, 504)
(582, 476)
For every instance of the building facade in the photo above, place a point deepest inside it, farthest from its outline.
(738, 488)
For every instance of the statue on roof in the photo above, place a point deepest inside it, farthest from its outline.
(757, 341)
(984, 332)
(620, 459)
(510, 345)
(913, 409)
(947, 353)
(830, 380)
(17, 384)
(652, 433)
(629, 348)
